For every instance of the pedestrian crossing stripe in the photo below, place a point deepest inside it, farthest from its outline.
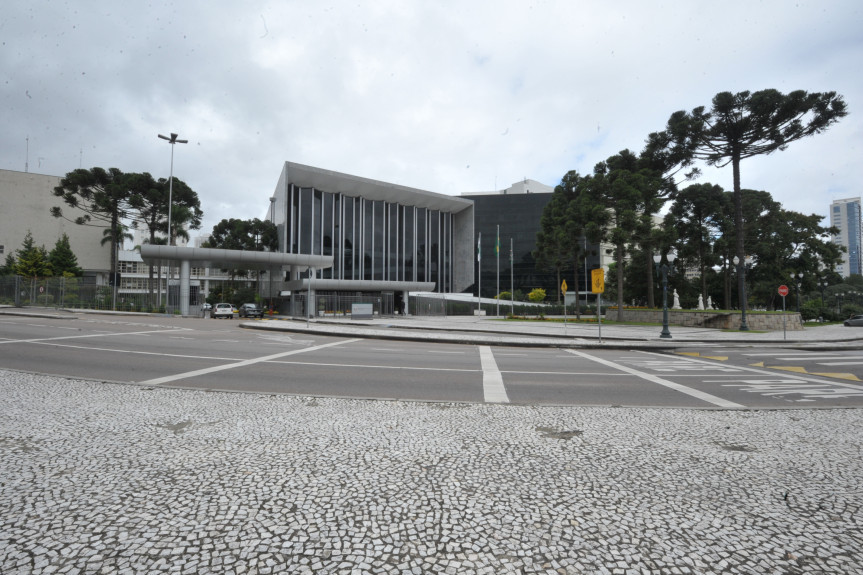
(697, 354)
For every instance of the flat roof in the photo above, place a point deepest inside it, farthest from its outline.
(355, 186)
(216, 258)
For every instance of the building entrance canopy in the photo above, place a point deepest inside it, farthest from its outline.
(216, 258)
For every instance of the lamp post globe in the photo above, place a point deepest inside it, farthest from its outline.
(664, 270)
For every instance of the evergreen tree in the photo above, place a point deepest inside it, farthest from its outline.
(744, 125)
(63, 259)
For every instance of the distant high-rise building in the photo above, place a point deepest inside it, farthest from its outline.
(845, 215)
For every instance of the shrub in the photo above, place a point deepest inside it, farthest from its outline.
(536, 295)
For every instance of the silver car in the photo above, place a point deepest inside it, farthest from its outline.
(854, 321)
(223, 310)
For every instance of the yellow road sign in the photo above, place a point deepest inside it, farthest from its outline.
(563, 287)
(597, 280)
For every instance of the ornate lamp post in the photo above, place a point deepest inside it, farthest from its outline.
(822, 285)
(664, 269)
(799, 280)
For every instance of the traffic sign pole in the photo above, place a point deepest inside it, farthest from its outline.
(563, 290)
(783, 291)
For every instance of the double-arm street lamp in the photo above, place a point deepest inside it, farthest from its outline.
(664, 269)
(172, 140)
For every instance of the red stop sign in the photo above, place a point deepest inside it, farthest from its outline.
(783, 291)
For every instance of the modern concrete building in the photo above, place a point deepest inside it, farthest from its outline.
(385, 239)
(846, 216)
(25, 203)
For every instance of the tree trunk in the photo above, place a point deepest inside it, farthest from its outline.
(651, 298)
(738, 225)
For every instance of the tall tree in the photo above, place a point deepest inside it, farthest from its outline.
(149, 207)
(250, 235)
(669, 156)
(32, 262)
(695, 216)
(103, 196)
(748, 124)
(555, 248)
(63, 259)
(613, 203)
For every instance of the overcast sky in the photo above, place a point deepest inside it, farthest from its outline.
(446, 96)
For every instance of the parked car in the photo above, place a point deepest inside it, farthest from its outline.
(251, 310)
(223, 310)
(854, 321)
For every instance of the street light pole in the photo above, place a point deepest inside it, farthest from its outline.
(822, 284)
(799, 284)
(664, 270)
(172, 140)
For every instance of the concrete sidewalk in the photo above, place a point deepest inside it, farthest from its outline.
(499, 331)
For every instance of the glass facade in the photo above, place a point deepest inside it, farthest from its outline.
(853, 227)
(370, 239)
(846, 218)
(518, 216)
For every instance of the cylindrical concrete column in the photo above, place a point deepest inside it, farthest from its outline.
(185, 270)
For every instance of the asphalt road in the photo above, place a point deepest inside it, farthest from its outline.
(218, 355)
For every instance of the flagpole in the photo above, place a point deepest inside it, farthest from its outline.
(511, 282)
(479, 274)
(497, 253)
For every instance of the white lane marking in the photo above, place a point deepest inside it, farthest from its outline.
(718, 401)
(393, 367)
(205, 371)
(447, 352)
(43, 339)
(841, 362)
(492, 382)
(137, 352)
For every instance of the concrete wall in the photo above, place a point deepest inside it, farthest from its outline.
(718, 320)
(463, 249)
(25, 203)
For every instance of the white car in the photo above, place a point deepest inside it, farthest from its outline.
(222, 310)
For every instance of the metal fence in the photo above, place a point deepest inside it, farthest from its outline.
(339, 305)
(76, 293)
(442, 305)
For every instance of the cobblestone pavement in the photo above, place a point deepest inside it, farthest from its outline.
(107, 478)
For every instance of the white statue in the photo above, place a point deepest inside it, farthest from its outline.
(676, 301)
(709, 302)
(700, 301)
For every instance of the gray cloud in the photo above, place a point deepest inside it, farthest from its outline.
(450, 97)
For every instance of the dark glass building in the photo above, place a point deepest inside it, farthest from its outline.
(518, 216)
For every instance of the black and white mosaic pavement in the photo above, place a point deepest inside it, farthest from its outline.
(106, 478)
